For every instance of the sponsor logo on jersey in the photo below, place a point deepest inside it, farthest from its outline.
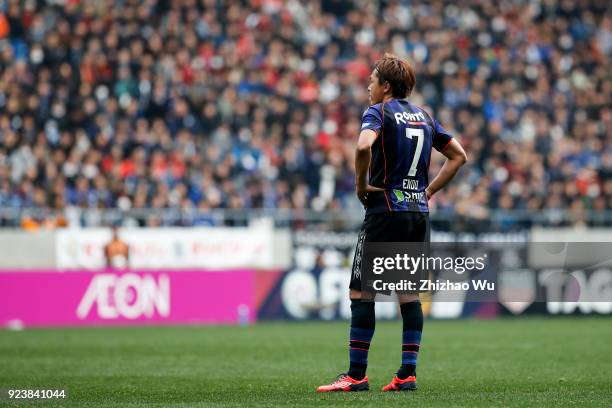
(406, 118)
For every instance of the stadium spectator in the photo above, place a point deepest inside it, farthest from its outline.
(206, 104)
(117, 252)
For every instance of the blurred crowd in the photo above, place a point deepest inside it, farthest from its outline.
(205, 104)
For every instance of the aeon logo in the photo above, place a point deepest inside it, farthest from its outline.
(128, 295)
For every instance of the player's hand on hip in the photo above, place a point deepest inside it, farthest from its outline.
(362, 193)
(428, 193)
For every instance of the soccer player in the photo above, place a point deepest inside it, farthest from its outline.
(392, 160)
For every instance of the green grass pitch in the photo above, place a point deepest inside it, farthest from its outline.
(505, 362)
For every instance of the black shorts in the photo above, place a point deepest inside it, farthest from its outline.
(388, 227)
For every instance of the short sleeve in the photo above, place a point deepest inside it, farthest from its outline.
(372, 118)
(441, 136)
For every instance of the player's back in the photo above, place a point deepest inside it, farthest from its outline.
(401, 154)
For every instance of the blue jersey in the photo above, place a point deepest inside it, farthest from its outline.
(401, 154)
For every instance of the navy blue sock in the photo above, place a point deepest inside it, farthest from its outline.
(363, 322)
(412, 316)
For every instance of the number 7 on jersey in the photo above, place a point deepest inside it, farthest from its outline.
(420, 135)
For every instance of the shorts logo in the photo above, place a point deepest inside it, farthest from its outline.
(358, 255)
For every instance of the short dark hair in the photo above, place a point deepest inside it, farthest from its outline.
(398, 72)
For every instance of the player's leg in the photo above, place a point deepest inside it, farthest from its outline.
(412, 314)
(363, 318)
(363, 323)
(412, 329)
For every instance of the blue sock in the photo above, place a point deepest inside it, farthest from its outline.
(412, 316)
(363, 323)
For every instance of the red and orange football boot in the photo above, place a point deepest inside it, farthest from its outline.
(408, 384)
(345, 383)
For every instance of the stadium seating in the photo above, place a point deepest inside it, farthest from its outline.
(244, 105)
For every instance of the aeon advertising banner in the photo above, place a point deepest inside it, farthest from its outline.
(45, 298)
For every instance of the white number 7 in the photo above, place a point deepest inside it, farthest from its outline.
(420, 135)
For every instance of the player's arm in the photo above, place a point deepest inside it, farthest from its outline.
(363, 155)
(455, 158)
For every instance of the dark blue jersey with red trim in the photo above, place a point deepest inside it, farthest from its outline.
(401, 154)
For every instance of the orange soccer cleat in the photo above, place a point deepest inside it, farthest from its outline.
(345, 383)
(408, 384)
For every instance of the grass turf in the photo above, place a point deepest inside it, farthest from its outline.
(506, 362)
